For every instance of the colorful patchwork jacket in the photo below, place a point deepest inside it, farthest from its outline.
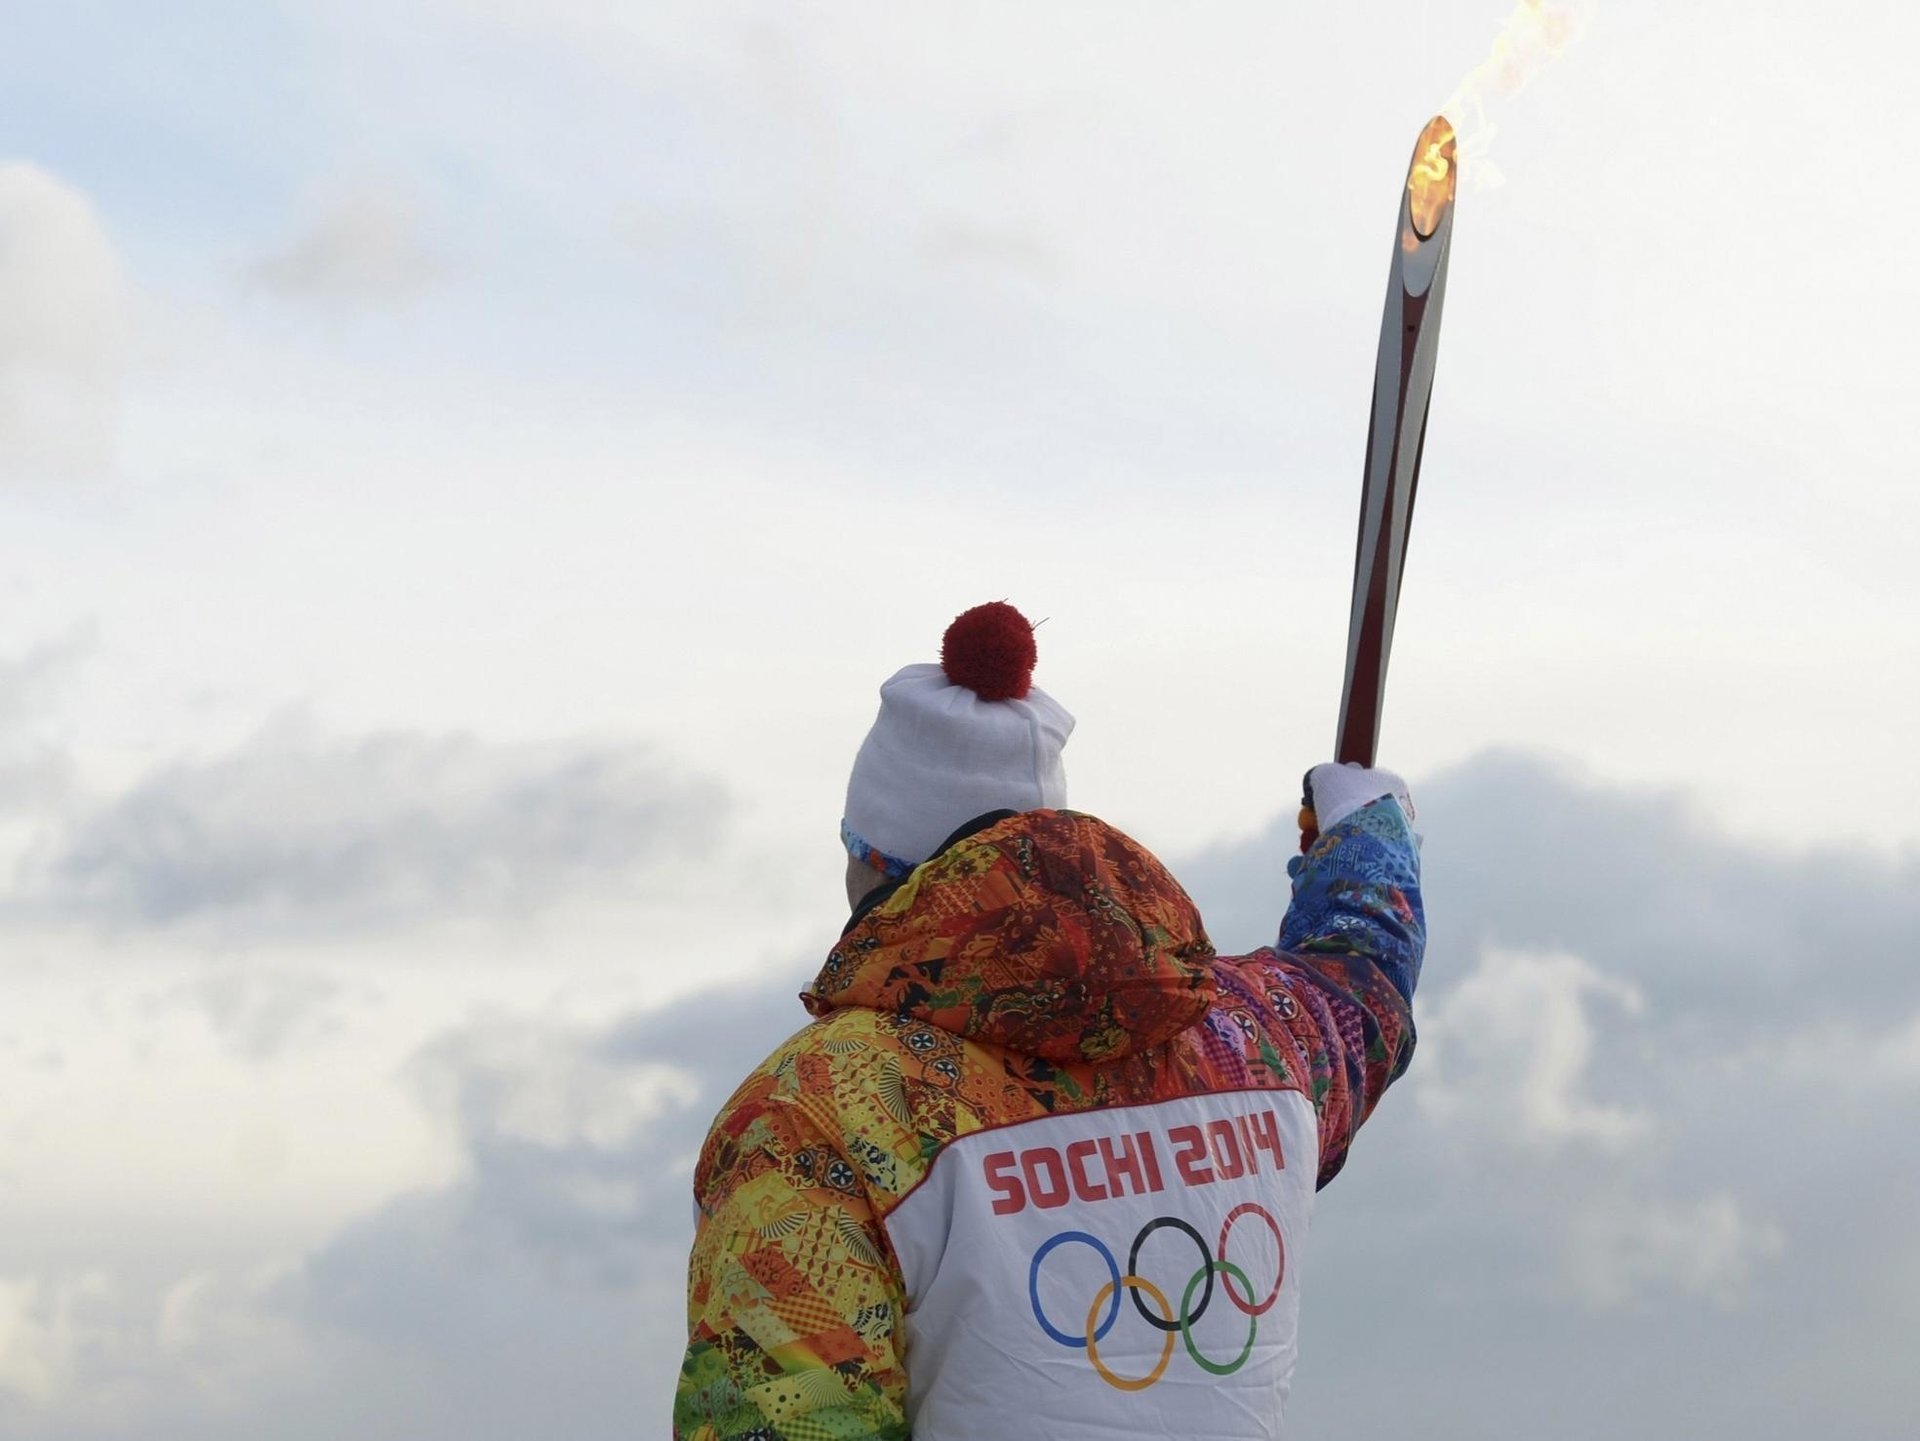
(1043, 1164)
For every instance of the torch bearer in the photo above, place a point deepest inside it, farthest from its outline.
(1402, 388)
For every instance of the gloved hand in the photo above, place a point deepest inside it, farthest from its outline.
(1334, 792)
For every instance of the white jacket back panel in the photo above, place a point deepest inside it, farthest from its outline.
(1112, 1274)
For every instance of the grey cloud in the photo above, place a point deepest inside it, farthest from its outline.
(1532, 856)
(294, 833)
(33, 778)
(1014, 249)
(36, 772)
(543, 1293)
(1617, 1154)
(1588, 1174)
(360, 247)
(263, 1011)
(27, 681)
(1596, 1172)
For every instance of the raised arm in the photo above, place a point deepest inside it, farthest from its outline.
(1352, 942)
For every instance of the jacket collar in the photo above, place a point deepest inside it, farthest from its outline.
(879, 894)
(1047, 932)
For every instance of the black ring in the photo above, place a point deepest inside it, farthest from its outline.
(1133, 1269)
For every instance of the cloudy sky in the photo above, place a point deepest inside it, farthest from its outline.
(466, 465)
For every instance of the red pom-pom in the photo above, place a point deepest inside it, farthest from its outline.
(990, 651)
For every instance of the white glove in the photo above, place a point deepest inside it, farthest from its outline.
(1340, 790)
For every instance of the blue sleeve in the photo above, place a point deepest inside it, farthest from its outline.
(1352, 942)
(1356, 893)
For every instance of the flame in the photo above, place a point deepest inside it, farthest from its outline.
(1532, 37)
(1431, 181)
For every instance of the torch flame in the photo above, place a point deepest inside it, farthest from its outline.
(1431, 181)
(1533, 35)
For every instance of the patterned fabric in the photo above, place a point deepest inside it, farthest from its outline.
(1045, 965)
(1050, 934)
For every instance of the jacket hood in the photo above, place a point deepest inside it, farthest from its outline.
(1049, 933)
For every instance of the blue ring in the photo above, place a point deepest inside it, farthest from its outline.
(1033, 1287)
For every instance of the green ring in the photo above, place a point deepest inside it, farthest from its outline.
(1217, 1368)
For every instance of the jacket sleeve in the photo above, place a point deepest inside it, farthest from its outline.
(1351, 944)
(794, 1301)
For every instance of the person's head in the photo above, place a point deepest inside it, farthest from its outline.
(952, 742)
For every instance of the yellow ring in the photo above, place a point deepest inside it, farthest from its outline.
(1138, 1283)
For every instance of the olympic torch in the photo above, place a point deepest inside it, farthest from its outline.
(1396, 436)
(1402, 388)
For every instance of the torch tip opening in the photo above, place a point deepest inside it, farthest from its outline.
(1433, 177)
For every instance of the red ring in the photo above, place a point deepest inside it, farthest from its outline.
(1235, 1214)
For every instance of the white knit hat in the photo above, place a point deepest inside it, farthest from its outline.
(954, 741)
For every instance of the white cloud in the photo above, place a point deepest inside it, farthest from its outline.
(362, 246)
(89, 1353)
(508, 1081)
(1630, 1246)
(1881, 1056)
(1507, 1053)
(1898, 1053)
(62, 329)
(34, 1341)
(1506, 1064)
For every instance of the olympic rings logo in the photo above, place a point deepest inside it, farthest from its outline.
(1168, 1321)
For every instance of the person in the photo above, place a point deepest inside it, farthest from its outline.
(1042, 1165)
